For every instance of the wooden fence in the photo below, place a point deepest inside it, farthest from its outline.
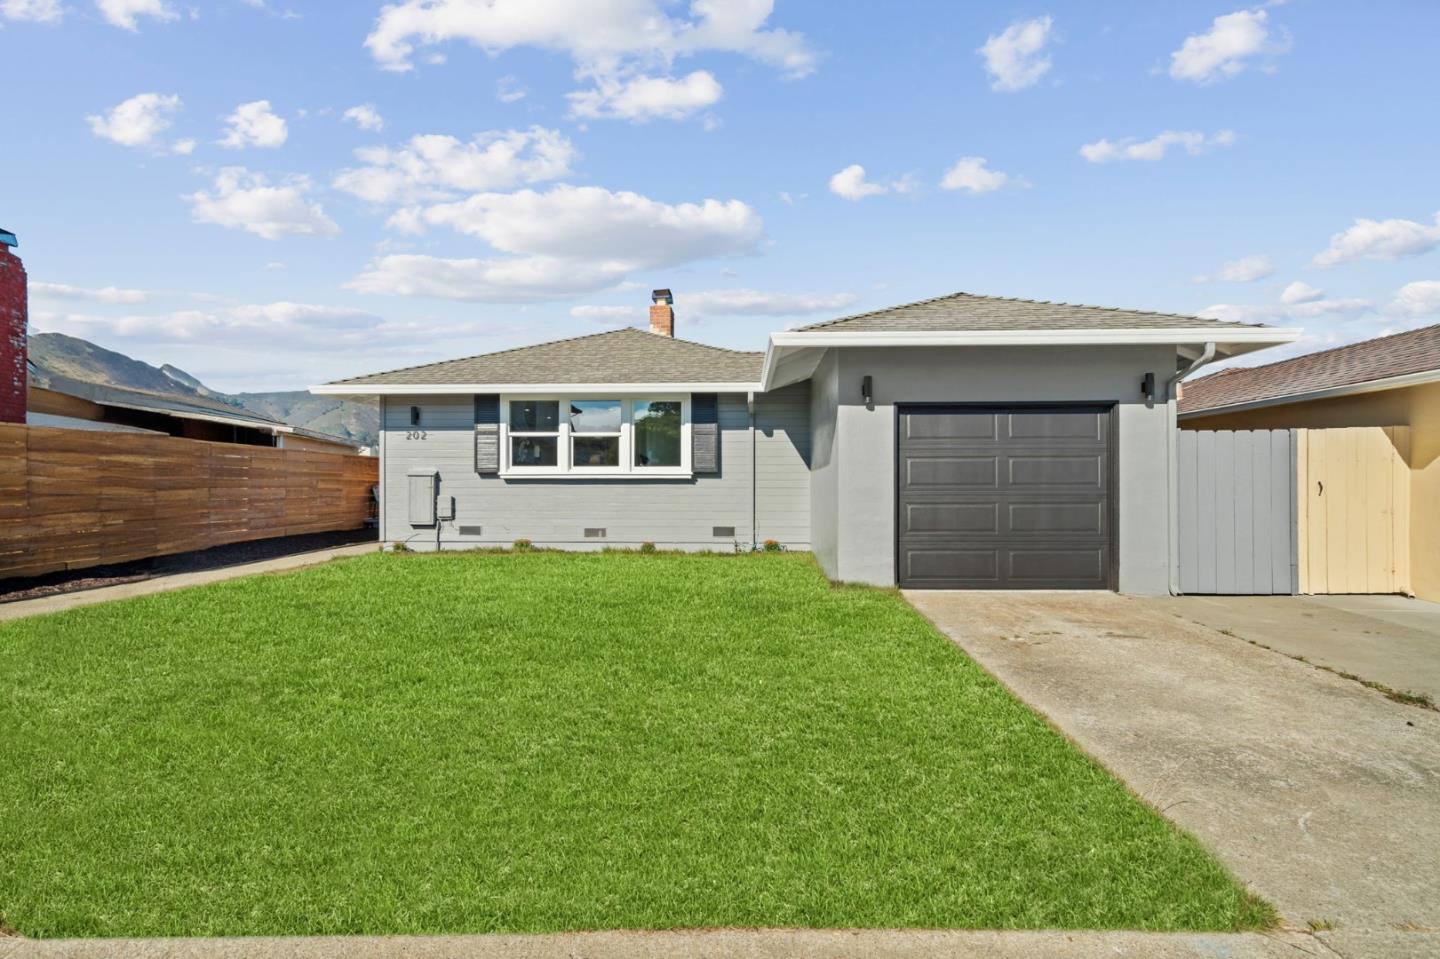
(1355, 510)
(76, 498)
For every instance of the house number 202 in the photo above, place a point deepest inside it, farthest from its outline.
(414, 434)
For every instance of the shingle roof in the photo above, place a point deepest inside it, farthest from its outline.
(967, 312)
(618, 356)
(1417, 351)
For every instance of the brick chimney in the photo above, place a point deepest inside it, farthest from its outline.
(14, 314)
(662, 313)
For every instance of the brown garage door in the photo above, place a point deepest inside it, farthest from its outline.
(1005, 497)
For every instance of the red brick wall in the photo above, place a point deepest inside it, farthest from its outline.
(13, 314)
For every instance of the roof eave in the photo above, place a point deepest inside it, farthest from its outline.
(1231, 341)
(1307, 396)
(521, 389)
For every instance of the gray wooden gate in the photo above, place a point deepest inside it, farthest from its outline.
(1238, 517)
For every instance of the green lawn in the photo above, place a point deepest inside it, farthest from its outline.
(542, 741)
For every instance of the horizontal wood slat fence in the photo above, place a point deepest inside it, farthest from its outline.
(76, 498)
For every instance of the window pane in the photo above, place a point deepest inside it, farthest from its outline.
(657, 433)
(533, 450)
(595, 416)
(597, 451)
(534, 416)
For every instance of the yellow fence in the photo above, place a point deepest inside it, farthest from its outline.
(1354, 504)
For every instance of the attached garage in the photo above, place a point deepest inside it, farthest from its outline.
(1005, 497)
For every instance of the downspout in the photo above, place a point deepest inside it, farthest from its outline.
(754, 472)
(1172, 404)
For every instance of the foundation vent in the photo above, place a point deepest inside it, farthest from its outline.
(471, 530)
(594, 532)
(725, 532)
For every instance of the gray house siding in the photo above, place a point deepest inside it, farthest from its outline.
(853, 488)
(672, 513)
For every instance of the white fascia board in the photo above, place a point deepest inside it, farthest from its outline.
(1269, 336)
(564, 389)
(1351, 389)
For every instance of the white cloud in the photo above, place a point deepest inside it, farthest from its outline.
(1379, 240)
(124, 13)
(435, 166)
(1283, 313)
(758, 303)
(1192, 141)
(136, 122)
(1421, 298)
(851, 184)
(254, 124)
(641, 98)
(104, 294)
(564, 241)
(1016, 59)
(33, 11)
(509, 90)
(183, 147)
(243, 200)
(366, 117)
(606, 314)
(1247, 269)
(1300, 292)
(971, 175)
(1223, 50)
(596, 34)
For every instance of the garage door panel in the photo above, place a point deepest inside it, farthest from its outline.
(966, 471)
(1058, 518)
(1084, 471)
(1022, 503)
(946, 565)
(1056, 425)
(952, 425)
(1056, 567)
(952, 518)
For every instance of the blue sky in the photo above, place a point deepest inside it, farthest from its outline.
(273, 194)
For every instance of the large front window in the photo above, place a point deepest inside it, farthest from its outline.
(597, 435)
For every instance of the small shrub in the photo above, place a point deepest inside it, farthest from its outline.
(772, 546)
(399, 546)
(521, 545)
(647, 547)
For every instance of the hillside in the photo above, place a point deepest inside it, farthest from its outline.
(79, 359)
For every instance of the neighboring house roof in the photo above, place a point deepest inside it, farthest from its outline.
(196, 408)
(626, 356)
(966, 312)
(1371, 364)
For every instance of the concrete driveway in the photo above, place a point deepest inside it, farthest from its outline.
(1394, 640)
(1320, 793)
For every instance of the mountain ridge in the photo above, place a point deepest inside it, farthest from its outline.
(59, 354)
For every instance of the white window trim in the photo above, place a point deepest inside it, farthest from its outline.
(564, 468)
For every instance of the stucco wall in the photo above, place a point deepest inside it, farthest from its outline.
(672, 513)
(1417, 407)
(862, 521)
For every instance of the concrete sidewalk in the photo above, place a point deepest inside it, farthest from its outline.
(161, 584)
(709, 944)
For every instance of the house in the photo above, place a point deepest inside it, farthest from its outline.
(1386, 382)
(959, 442)
(60, 401)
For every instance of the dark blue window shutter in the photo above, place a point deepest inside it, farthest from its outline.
(487, 434)
(705, 433)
